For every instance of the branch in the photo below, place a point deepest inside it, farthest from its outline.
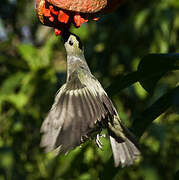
(124, 82)
(141, 123)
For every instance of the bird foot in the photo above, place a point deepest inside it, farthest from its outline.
(98, 142)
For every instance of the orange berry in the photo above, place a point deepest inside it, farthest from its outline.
(63, 17)
(57, 32)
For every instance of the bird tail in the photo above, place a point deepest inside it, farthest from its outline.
(124, 145)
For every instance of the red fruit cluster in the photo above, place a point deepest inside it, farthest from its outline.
(60, 19)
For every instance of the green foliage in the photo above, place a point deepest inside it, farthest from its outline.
(152, 67)
(144, 90)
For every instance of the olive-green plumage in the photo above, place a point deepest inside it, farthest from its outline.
(82, 108)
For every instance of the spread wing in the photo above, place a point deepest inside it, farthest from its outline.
(78, 106)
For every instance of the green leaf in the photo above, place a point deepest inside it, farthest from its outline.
(153, 66)
(30, 55)
(11, 83)
(35, 58)
(142, 122)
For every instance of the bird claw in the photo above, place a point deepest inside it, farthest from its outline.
(103, 135)
(98, 142)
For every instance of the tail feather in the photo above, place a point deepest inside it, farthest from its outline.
(124, 153)
(124, 145)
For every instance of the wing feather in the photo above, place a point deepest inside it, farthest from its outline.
(78, 106)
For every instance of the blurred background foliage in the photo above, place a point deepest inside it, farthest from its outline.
(33, 67)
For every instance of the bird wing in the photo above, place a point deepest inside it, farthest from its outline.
(79, 105)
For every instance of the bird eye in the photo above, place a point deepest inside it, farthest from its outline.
(71, 43)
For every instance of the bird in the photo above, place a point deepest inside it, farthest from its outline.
(82, 109)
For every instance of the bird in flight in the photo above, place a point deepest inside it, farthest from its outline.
(81, 110)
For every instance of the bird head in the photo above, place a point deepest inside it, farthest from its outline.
(72, 44)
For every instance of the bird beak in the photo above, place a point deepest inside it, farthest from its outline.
(65, 35)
